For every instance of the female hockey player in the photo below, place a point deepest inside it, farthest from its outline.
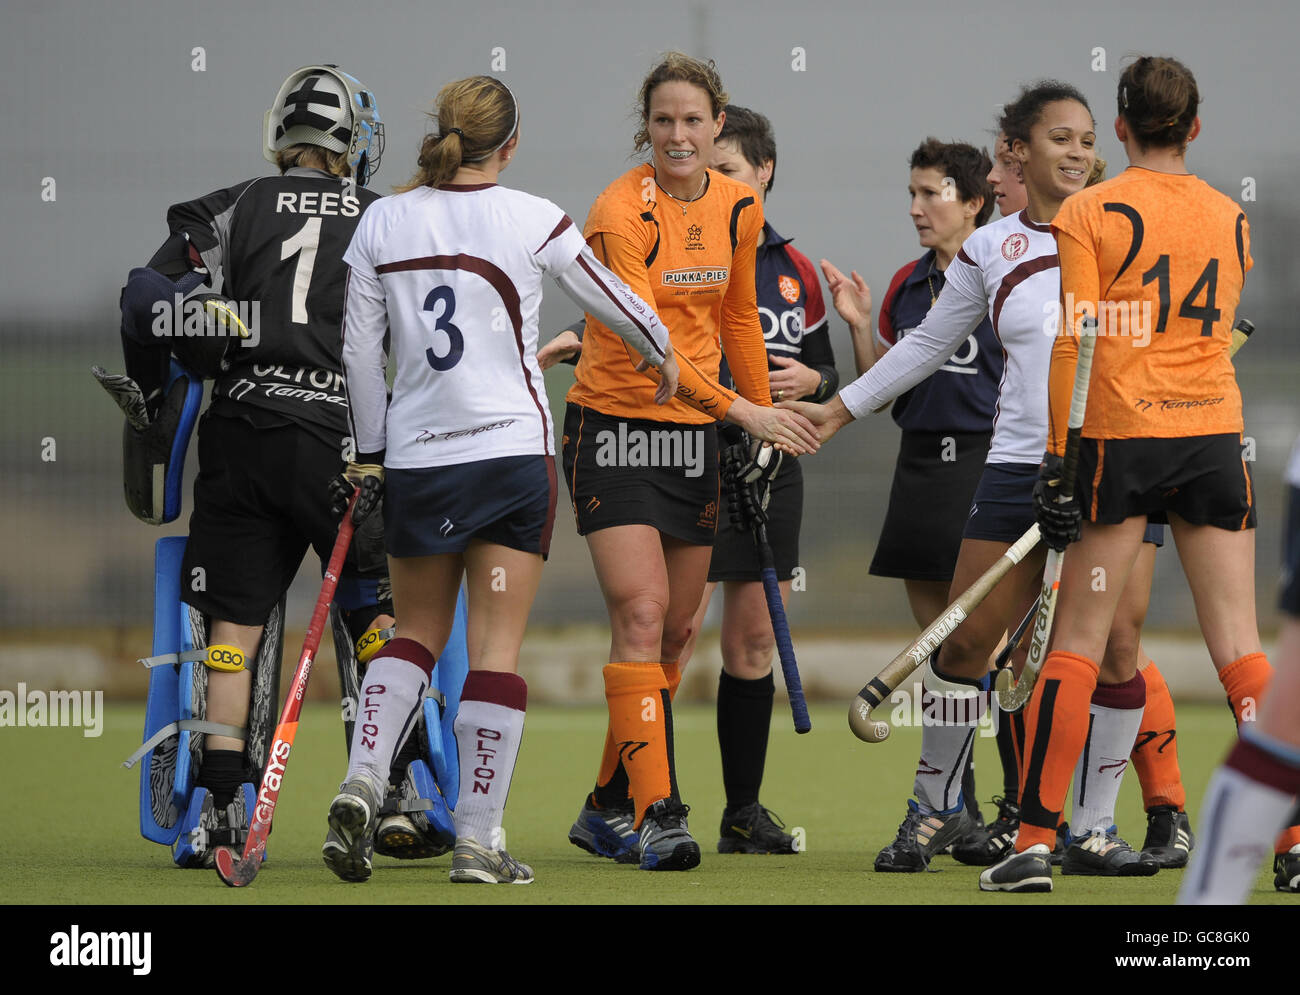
(451, 268)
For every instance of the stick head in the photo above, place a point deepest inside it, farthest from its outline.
(864, 727)
(234, 869)
(1012, 697)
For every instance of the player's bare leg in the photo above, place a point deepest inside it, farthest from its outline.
(392, 693)
(955, 698)
(1115, 715)
(927, 599)
(652, 586)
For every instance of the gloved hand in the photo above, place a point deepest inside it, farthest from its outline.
(750, 468)
(365, 473)
(1059, 522)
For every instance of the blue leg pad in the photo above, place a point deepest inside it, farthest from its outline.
(439, 724)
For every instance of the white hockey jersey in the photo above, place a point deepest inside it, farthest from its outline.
(455, 276)
(1008, 270)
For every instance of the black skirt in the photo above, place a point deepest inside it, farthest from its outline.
(934, 481)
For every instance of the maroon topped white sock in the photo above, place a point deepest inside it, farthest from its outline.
(1115, 717)
(489, 727)
(392, 692)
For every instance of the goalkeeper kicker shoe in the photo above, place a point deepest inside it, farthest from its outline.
(753, 829)
(1104, 854)
(666, 843)
(920, 837)
(1286, 870)
(348, 847)
(607, 832)
(1169, 836)
(988, 845)
(472, 863)
(1028, 871)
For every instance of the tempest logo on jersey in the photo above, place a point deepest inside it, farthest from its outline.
(429, 435)
(696, 276)
(674, 447)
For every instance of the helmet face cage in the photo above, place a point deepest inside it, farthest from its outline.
(363, 131)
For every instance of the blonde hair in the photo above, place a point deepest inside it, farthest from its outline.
(677, 67)
(1098, 172)
(314, 157)
(475, 117)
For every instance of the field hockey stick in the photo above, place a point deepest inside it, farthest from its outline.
(1004, 657)
(881, 686)
(1014, 696)
(237, 871)
(735, 456)
(784, 647)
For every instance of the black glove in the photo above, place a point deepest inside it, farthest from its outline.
(366, 475)
(749, 468)
(1059, 521)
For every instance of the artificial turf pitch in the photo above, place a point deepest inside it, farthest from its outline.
(70, 831)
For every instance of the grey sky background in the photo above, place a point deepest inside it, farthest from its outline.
(103, 99)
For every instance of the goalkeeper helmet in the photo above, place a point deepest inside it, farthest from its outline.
(324, 106)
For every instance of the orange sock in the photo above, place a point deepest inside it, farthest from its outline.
(611, 781)
(1245, 680)
(673, 675)
(1289, 837)
(1056, 727)
(1155, 753)
(640, 720)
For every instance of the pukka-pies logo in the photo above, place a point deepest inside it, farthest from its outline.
(789, 288)
(1014, 246)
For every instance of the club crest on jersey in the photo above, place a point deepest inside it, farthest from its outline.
(695, 276)
(1014, 246)
(694, 234)
(789, 288)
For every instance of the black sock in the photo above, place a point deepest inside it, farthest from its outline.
(968, 785)
(1006, 755)
(1011, 730)
(744, 715)
(408, 754)
(615, 793)
(222, 773)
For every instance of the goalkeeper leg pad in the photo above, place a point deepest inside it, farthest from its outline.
(175, 709)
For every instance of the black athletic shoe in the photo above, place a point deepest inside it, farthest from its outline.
(1062, 844)
(753, 829)
(1104, 854)
(919, 838)
(989, 844)
(1286, 870)
(1169, 836)
(666, 843)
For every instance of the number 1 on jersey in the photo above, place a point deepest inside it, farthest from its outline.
(303, 242)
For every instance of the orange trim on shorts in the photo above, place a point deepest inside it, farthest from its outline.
(577, 447)
(1096, 478)
(1250, 497)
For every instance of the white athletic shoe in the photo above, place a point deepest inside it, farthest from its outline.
(348, 847)
(475, 864)
(1029, 870)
